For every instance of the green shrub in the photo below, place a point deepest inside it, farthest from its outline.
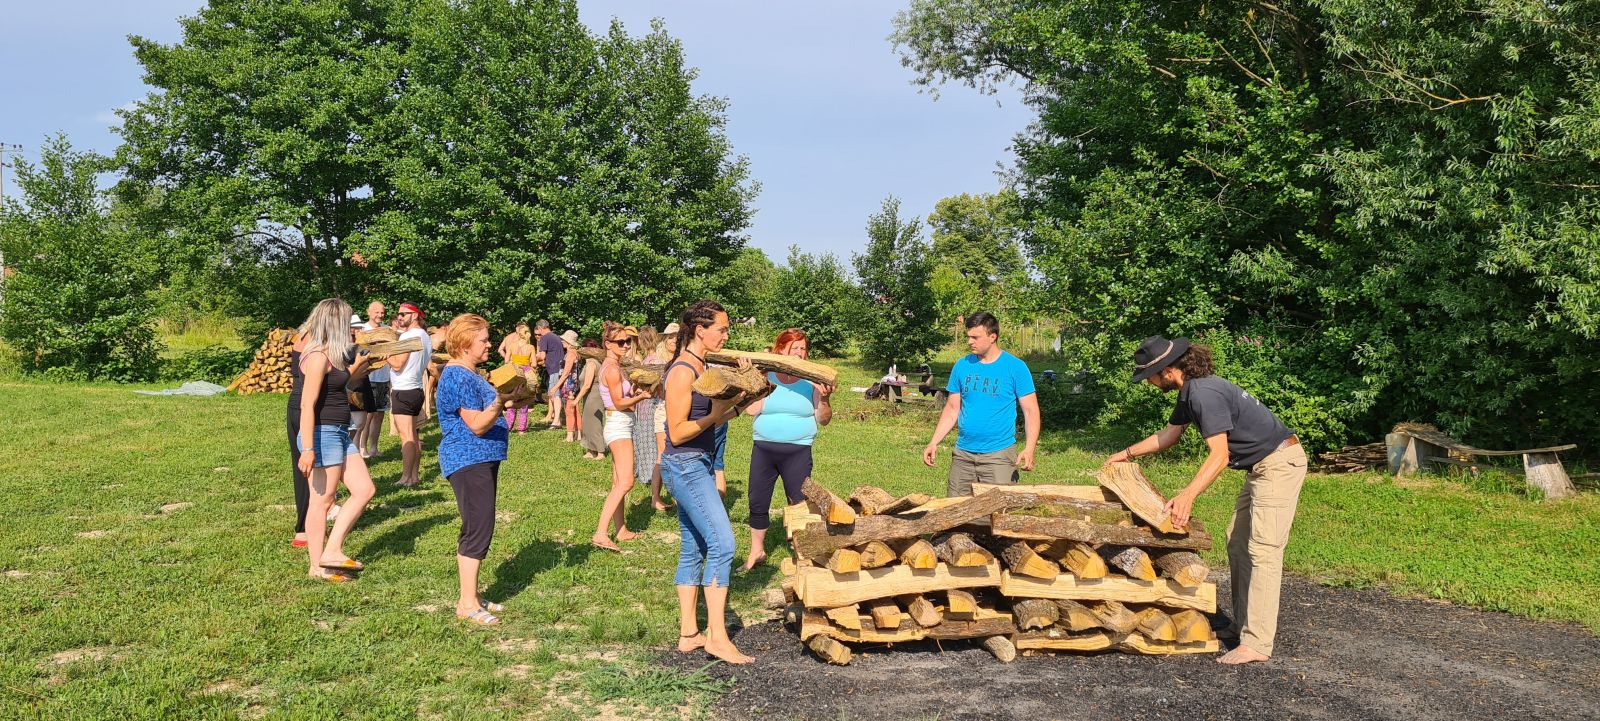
(212, 363)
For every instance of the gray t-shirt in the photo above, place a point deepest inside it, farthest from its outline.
(1215, 405)
(555, 352)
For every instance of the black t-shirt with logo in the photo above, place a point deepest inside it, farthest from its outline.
(1215, 405)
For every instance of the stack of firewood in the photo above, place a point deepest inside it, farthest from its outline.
(269, 370)
(1034, 568)
(1354, 459)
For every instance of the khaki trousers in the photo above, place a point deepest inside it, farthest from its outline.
(1256, 538)
(968, 468)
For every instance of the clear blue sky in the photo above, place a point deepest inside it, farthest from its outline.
(819, 102)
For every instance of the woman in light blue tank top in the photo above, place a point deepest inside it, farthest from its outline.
(786, 423)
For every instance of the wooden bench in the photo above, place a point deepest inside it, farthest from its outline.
(1410, 450)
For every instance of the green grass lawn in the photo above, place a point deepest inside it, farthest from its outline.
(111, 606)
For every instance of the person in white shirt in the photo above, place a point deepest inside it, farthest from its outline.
(405, 392)
(367, 435)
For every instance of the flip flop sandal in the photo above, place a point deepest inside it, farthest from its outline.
(298, 543)
(337, 578)
(348, 564)
(491, 606)
(480, 617)
(613, 548)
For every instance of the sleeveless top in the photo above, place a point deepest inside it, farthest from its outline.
(699, 407)
(788, 415)
(299, 381)
(605, 390)
(332, 408)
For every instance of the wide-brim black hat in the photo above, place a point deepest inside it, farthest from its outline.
(1155, 354)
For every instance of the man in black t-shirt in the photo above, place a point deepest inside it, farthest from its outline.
(1241, 434)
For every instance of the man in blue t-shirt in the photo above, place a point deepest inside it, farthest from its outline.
(986, 388)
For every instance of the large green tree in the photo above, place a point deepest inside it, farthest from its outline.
(815, 294)
(977, 254)
(548, 172)
(78, 282)
(1385, 211)
(900, 321)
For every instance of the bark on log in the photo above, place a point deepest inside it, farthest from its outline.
(987, 623)
(1185, 568)
(1048, 529)
(876, 554)
(1115, 616)
(1075, 616)
(381, 334)
(845, 560)
(1116, 588)
(644, 376)
(916, 553)
(830, 650)
(1156, 625)
(905, 503)
(800, 368)
(815, 542)
(1133, 562)
(830, 507)
(719, 383)
(1035, 613)
(1139, 494)
(958, 549)
(1002, 648)
(1049, 491)
(870, 500)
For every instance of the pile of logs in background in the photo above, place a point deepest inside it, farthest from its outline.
(269, 370)
(1030, 569)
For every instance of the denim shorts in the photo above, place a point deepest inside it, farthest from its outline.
(329, 446)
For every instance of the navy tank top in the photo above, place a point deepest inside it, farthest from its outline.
(699, 407)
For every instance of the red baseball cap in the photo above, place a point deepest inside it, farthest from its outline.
(411, 308)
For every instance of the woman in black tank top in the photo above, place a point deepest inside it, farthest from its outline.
(706, 555)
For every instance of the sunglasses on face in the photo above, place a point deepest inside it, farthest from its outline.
(622, 341)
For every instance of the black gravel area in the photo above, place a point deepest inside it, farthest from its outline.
(1341, 654)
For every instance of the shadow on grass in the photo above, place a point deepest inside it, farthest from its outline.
(401, 540)
(537, 556)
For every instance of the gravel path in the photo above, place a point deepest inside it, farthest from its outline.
(1342, 654)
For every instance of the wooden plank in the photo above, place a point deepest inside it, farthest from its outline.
(832, 508)
(1522, 452)
(1138, 494)
(798, 516)
(1056, 640)
(958, 549)
(800, 368)
(1031, 613)
(1050, 529)
(824, 589)
(1049, 491)
(1161, 591)
(814, 542)
(1185, 568)
(870, 500)
(1130, 560)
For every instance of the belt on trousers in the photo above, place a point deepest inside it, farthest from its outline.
(1290, 441)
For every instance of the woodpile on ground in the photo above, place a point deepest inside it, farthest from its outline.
(269, 370)
(1354, 459)
(1031, 568)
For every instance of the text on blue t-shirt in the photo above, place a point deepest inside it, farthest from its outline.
(989, 393)
(459, 447)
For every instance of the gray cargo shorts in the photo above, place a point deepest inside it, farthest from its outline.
(968, 468)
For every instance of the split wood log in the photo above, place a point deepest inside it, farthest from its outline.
(870, 500)
(1131, 561)
(876, 554)
(1139, 494)
(832, 508)
(1191, 627)
(960, 604)
(916, 553)
(1156, 625)
(905, 503)
(1185, 568)
(1049, 491)
(1115, 617)
(846, 616)
(1113, 514)
(1049, 529)
(1055, 640)
(1075, 616)
(1136, 643)
(644, 376)
(820, 588)
(719, 383)
(379, 351)
(845, 560)
(1161, 591)
(958, 549)
(922, 611)
(1021, 558)
(797, 516)
(786, 566)
(812, 542)
(1079, 558)
(830, 650)
(598, 354)
(440, 357)
(381, 334)
(1004, 651)
(800, 368)
(885, 613)
(507, 379)
(985, 622)
(1035, 613)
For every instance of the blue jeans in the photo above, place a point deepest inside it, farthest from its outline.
(329, 445)
(705, 557)
(722, 447)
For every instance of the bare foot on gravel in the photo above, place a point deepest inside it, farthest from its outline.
(690, 643)
(1242, 655)
(726, 651)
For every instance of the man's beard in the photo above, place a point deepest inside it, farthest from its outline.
(1164, 383)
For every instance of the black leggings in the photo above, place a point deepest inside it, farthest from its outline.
(768, 461)
(475, 488)
(302, 489)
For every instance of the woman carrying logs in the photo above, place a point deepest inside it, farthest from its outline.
(473, 441)
(517, 349)
(592, 417)
(705, 557)
(619, 397)
(786, 423)
(327, 456)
